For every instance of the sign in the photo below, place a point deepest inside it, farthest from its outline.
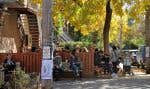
(46, 71)
(147, 50)
(46, 52)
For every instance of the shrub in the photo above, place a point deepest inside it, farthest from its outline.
(22, 79)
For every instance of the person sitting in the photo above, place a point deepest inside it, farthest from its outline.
(57, 70)
(75, 65)
(120, 67)
(9, 66)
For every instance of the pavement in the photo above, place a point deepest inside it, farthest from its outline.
(139, 81)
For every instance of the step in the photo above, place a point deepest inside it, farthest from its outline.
(33, 26)
(33, 23)
(31, 16)
(35, 42)
(35, 38)
(34, 32)
(35, 35)
(34, 29)
(32, 20)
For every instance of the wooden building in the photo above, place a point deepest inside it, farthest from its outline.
(19, 31)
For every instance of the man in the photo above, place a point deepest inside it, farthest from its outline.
(9, 66)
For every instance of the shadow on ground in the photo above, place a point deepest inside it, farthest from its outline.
(121, 83)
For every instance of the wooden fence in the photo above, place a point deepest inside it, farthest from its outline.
(87, 59)
(31, 62)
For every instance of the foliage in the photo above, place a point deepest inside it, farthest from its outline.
(72, 45)
(1, 82)
(22, 79)
(89, 15)
(130, 45)
(137, 8)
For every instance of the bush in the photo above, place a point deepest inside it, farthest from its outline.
(22, 79)
(1, 82)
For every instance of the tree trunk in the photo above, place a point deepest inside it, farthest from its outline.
(47, 35)
(120, 34)
(147, 37)
(106, 27)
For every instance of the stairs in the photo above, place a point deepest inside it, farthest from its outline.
(21, 24)
(63, 37)
(33, 29)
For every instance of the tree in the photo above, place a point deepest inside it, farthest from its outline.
(106, 27)
(89, 15)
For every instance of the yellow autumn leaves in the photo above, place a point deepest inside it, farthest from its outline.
(89, 15)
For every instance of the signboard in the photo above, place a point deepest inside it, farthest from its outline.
(46, 52)
(147, 50)
(46, 71)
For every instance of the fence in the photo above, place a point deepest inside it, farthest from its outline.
(87, 59)
(31, 62)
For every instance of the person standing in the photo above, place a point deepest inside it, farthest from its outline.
(114, 58)
(127, 63)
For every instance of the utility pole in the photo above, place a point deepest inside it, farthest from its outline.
(47, 44)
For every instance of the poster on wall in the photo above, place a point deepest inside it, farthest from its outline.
(147, 50)
(47, 64)
(46, 71)
(46, 52)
